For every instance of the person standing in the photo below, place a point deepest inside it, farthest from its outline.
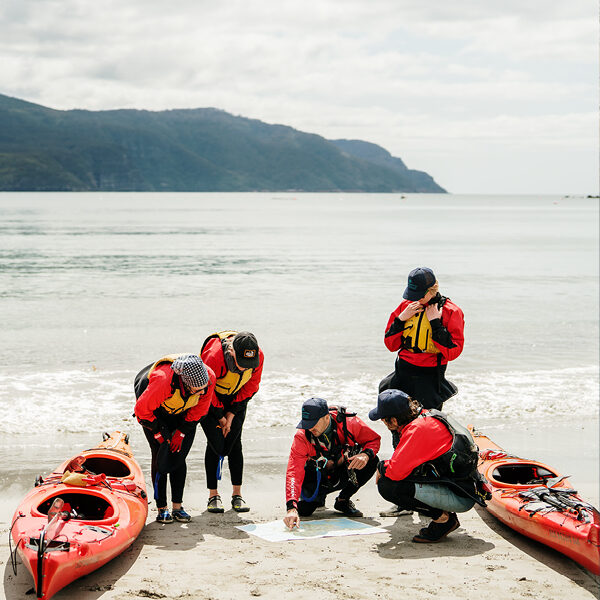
(427, 332)
(237, 362)
(332, 451)
(172, 395)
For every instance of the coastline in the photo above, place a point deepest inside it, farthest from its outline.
(211, 559)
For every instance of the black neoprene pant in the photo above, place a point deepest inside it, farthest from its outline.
(428, 385)
(169, 465)
(402, 493)
(217, 446)
(331, 482)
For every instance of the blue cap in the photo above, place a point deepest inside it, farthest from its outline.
(419, 281)
(312, 410)
(390, 403)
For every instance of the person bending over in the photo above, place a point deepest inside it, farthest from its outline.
(237, 362)
(172, 394)
(433, 469)
(332, 450)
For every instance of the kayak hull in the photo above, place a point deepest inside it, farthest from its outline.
(107, 518)
(562, 531)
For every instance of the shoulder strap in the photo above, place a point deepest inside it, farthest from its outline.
(341, 417)
(315, 444)
(210, 337)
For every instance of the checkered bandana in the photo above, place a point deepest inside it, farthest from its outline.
(191, 369)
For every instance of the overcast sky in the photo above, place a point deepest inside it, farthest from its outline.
(487, 97)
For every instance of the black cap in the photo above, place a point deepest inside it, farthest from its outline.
(419, 281)
(312, 410)
(390, 403)
(245, 347)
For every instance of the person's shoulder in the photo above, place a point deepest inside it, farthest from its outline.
(452, 305)
(162, 371)
(429, 421)
(212, 343)
(212, 350)
(300, 438)
(161, 375)
(355, 419)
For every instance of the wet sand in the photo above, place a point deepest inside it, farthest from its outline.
(211, 559)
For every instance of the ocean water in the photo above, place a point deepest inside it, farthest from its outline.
(95, 286)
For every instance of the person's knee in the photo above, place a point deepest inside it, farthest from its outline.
(365, 474)
(396, 492)
(215, 448)
(441, 497)
(305, 509)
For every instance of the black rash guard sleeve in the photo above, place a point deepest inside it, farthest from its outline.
(396, 327)
(440, 334)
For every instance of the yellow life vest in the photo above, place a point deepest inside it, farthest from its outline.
(416, 335)
(176, 403)
(231, 382)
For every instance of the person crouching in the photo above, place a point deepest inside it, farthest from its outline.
(433, 469)
(332, 450)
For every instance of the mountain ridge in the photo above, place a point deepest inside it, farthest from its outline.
(197, 149)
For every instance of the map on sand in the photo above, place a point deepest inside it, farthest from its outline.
(276, 531)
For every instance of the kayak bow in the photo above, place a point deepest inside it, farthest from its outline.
(86, 512)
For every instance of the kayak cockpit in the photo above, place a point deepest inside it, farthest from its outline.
(83, 506)
(111, 467)
(521, 473)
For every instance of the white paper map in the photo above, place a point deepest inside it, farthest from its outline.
(276, 531)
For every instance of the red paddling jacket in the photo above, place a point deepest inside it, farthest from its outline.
(303, 450)
(422, 440)
(237, 388)
(162, 388)
(423, 343)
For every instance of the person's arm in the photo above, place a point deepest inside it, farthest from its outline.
(251, 386)
(366, 438)
(213, 358)
(393, 331)
(195, 413)
(294, 477)
(447, 329)
(396, 322)
(158, 390)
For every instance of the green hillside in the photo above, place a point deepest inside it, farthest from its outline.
(205, 149)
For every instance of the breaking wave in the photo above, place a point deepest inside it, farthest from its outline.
(79, 401)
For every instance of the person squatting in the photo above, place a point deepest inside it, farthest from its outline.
(433, 468)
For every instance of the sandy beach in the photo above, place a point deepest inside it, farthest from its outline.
(211, 559)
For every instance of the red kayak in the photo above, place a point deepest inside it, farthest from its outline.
(90, 509)
(537, 501)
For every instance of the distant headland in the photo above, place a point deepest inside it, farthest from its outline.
(204, 150)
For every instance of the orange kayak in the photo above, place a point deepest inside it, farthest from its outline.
(86, 512)
(537, 501)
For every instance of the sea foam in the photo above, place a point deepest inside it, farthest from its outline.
(79, 401)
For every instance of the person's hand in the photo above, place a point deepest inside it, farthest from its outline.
(411, 310)
(433, 312)
(292, 519)
(226, 427)
(158, 436)
(176, 441)
(359, 461)
(377, 477)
